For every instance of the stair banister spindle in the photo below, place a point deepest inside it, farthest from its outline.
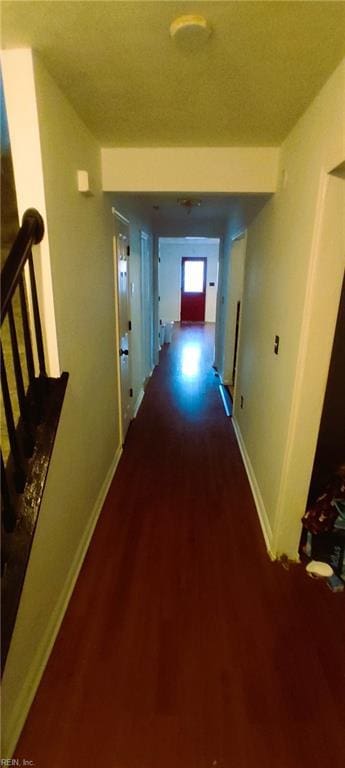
(27, 334)
(37, 321)
(36, 405)
(28, 443)
(8, 515)
(19, 474)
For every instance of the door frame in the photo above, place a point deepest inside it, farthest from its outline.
(234, 290)
(221, 305)
(156, 299)
(147, 314)
(324, 283)
(119, 217)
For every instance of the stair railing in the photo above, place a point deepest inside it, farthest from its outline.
(21, 435)
(32, 407)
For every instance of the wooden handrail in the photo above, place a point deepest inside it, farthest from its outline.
(30, 233)
(32, 403)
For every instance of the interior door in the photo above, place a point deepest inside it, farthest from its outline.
(193, 290)
(122, 258)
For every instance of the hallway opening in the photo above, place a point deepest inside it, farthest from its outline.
(188, 278)
(182, 645)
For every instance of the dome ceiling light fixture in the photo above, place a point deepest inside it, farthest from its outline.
(190, 32)
(188, 203)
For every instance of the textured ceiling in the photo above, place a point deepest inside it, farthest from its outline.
(131, 84)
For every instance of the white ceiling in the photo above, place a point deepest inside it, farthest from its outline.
(133, 86)
(195, 240)
(215, 213)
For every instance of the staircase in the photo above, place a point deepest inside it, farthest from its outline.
(31, 407)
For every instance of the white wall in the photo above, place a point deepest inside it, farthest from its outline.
(171, 252)
(79, 229)
(205, 169)
(292, 286)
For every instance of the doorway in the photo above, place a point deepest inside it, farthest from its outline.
(193, 290)
(171, 255)
(123, 324)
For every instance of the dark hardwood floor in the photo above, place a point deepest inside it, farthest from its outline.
(183, 646)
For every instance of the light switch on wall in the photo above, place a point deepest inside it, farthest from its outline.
(83, 183)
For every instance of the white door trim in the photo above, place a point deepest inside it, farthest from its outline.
(117, 215)
(117, 342)
(146, 342)
(288, 519)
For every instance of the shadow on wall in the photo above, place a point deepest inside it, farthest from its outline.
(330, 451)
(9, 211)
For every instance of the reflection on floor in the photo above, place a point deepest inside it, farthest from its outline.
(183, 645)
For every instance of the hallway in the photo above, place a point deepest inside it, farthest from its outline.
(183, 646)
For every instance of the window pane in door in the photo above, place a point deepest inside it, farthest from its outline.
(193, 276)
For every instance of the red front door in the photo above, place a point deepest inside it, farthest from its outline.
(193, 290)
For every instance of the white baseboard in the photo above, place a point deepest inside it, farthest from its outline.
(225, 404)
(260, 507)
(138, 403)
(17, 719)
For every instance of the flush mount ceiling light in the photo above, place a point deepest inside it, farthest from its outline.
(190, 31)
(188, 203)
